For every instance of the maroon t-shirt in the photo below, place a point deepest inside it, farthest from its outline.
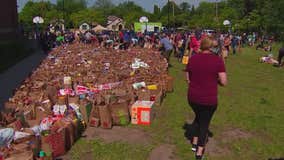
(203, 72)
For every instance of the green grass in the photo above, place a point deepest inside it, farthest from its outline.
(253, 102)
(98, 150)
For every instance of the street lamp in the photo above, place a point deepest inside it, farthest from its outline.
(248, 20)
(145, 20)
(216, 3)
(37, 20)
(227, 23)
(63, 9)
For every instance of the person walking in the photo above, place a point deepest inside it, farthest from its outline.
(194, 45)
(280, 56)
(167, 47)
(204, 72)
(234, 43)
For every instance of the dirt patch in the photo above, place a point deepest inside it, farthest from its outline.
(85, 156)
(163, 152)
(88, 156)
(214, 149)
(234, 134)
(122, 134)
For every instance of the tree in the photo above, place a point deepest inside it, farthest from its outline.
(157, 10)
(192, 11)
(87, 16)
(185, 7)
(172, 7)
(67, 7)
(135, 10)
(71, 6)
(256, 15)
(44, 9)
(104, 4)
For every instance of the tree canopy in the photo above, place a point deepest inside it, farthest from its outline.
(245, 15)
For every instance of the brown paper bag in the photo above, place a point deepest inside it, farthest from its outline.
(10, 105)
(69, 134)
(94, 122)
(27, 155)
(157, 96)
(95, 112)
(74, 100)
(144, 95)
(105, 117)
(51, 93)
(120, 113)
(83, 110)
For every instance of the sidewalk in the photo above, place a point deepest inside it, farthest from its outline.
(12, 78)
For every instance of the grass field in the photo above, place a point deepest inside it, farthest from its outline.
(248, 125)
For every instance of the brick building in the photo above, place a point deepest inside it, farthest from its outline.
(8, 19)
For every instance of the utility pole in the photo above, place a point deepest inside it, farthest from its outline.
(63, 5)
(216, 3)
(168, 14)
(174, 13)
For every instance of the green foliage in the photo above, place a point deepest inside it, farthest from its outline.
(135, 10)
(71, 6)
(245, 15)
(88, 16)
(67, 7)
(185, 7)
(157, 10)
(32, 9)
(96, 149)
(104, 4)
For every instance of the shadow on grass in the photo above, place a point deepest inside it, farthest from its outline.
(189, 130)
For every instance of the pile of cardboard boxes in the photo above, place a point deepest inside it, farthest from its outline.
(78, 86)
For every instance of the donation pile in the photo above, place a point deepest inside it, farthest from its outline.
(76, 87)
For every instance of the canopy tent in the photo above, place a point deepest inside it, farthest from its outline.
(99, 28)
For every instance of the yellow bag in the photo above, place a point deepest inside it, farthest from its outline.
(186, 53)
(185, 59)
(152, 87)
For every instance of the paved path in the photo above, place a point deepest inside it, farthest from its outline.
(12, 78)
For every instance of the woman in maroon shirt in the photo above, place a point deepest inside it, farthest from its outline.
(204, 72)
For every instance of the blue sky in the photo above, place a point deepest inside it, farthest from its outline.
(146, 4)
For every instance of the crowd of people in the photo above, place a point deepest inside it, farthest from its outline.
(178, 43)
(208, 50)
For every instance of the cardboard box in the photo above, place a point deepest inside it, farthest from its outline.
(141, 112)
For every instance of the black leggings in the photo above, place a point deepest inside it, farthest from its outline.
(203, 116)
(280, 55)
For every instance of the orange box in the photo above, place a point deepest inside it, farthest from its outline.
(141, 112)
